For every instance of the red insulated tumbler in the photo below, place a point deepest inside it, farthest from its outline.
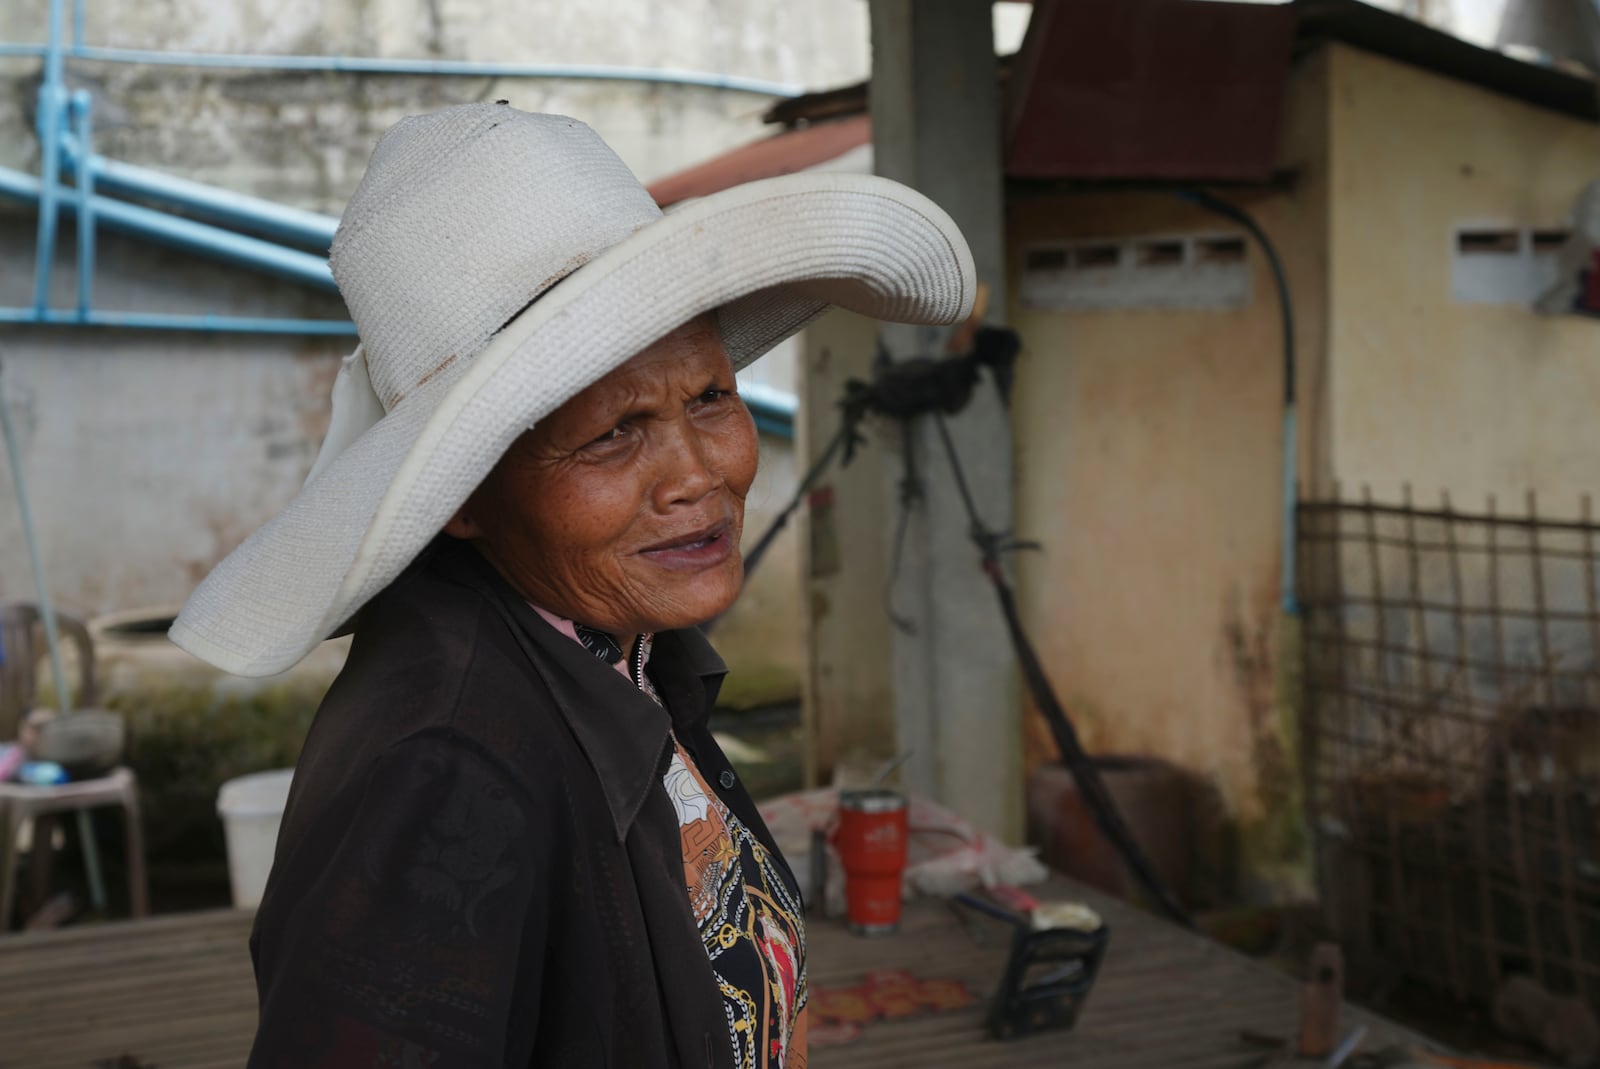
(872, 848)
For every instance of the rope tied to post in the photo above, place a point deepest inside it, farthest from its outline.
(936, 388)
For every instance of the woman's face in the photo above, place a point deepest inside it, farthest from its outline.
(623, 509)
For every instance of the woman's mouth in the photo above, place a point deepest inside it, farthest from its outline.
(704, 548)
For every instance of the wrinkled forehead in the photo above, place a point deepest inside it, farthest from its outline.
(680, 364)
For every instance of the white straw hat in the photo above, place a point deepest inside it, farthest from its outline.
(463, 218)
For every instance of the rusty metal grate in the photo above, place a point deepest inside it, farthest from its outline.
(1452, 734)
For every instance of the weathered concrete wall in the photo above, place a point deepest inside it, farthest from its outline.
(1148, 466)
(1148, 440)
(151, 454)
(1476, 399)
(304, 138)
(849, 689)
(762, 636)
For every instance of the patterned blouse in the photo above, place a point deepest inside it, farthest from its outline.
(749, 914)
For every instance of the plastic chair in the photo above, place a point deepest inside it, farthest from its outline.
(22, 639)
(19, 803)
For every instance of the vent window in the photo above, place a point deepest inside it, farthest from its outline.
(1504, 264)
(1220, 250)
(1549, 242)
(1047, 259)
(1488, 242)
(1090, 257)
(1160, 253)
(1150, 271)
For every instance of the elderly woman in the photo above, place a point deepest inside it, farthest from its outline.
(511, 839)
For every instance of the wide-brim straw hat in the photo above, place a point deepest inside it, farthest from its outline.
(497, 262)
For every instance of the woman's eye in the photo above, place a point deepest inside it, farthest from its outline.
(614, 434)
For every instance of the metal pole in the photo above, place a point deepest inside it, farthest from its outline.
(91, 851)
(46, 608)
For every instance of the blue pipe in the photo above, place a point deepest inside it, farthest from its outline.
(446, 67)
(770, 399)
(277, 221)
(185, 234)
(81, 103)
(47, 119)
(1288, 599)
(166, 321)
(773, 410)
(770, 425)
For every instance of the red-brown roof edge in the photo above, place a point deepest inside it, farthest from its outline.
(784, 153)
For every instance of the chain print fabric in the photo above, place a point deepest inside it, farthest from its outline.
(750, 918)
(750, 921)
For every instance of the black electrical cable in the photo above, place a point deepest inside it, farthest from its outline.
(753, 558)
(1215, 204)
(945, 386)
(1102, 806)
(847, 437)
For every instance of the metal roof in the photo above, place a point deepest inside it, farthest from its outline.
(1319, 22)
(786, 153)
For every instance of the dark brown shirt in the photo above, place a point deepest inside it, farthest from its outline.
(478, 864)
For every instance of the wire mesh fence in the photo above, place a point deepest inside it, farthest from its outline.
(1452, 673)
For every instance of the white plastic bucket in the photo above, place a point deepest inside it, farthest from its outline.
(251, 807)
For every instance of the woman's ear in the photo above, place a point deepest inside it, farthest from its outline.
(462, 525)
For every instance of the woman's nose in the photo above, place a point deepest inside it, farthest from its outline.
(687, 470)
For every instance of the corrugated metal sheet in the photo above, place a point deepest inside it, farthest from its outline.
(1161, 89)
(1090, 59)
(785, 153)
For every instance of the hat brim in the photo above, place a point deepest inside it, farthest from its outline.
(768, 256)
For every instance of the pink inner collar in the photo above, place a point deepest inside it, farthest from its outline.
(565, 626)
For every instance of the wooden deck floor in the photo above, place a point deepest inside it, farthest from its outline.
(175, 992)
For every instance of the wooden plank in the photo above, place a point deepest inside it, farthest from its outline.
(177, 992)
(173, 991)
(1165, 997)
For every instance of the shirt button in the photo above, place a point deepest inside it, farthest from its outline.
(727, 779)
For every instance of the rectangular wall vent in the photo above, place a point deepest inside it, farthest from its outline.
(1160, 253)
(1150, 271)
(1488, 242)
(1497, 264)
(1091, 257)
(1548, 242)
(1226, 250)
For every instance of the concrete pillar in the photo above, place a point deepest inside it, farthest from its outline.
(937, 126)
(849, 685)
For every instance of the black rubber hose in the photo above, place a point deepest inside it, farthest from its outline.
(1102, 806)
(1215, 204)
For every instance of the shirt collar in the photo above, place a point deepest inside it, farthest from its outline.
(623, 734)
(601, 646)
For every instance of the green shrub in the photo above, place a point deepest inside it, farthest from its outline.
(185, 742)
